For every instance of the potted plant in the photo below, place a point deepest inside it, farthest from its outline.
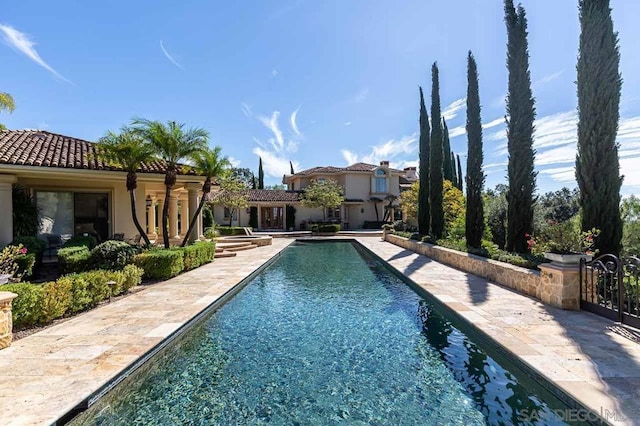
(564, 242)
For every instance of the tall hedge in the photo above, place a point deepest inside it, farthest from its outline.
(447, 169)
(597, 164)
(424, 213)
(436, 158)
(475, 176)
(520, 116)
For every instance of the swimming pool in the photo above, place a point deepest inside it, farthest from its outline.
(326, 334)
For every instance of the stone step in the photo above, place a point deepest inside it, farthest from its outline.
(233, 245)
(249, 247)
(226, 254)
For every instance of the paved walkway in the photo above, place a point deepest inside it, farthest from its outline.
(591, 358)
(48, 373)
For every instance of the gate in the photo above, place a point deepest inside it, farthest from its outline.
(609, 286)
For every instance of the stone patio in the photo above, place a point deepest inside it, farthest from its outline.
(46, 374)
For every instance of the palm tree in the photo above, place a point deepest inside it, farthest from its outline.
(172, 143)
(207, 163)
(129, 151)
(6, 103)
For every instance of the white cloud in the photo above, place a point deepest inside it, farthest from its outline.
(246, 110)
(275, 165)
(272, 124)
(548, 78)
(169, 57)
(348, 123)
(561, 174)
(360, 96)
(457, 131)
(388, 151)
(234, 162)
(493, 123)
(21, 42)
(294, 125)
(452, 109)
(274, 72)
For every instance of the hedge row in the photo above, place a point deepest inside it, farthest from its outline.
(230, 230)
(326, 228)
(165, 264)
(42, 303)
(110, 255)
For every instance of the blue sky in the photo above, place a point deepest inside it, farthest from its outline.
(313, 82)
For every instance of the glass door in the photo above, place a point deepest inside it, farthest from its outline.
(91, 214)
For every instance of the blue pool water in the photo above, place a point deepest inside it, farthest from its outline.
(325, 335)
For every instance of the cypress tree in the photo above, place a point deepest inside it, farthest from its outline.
(460, 177)
(291, 166)
(423, 189)
(520, 117)
(447, 170)
(436, 158)
(597, 163)
(474, 226)
(260, 175)
(454, 179)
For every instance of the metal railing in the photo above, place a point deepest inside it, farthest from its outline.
(609, 286)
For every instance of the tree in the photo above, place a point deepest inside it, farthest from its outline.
(232, 195)
(260, 175)
(128, 151)
(323, 194)
(495, 205)
(597, 163)
(460, 177)
(447, 170)
(436, 158)
(424, 211)
(454, 176)
(453, 202)
(630, 212)
(172, 143)
(291, 166)
(409, 201)
(6, 104)
(244, 175)
(520, 116)
(210, 164)
(474, 223)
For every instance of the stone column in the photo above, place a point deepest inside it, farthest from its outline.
(193, 188)
(173, 217)
(184, 216)
(160, 208)
(284, 217)
(151, 220)
(6, 324)
(6, 209)
(560, 285)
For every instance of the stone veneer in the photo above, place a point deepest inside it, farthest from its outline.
(556, 285)
(6, 324)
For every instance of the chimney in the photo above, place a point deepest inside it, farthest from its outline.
(410, 173)
(384, 164)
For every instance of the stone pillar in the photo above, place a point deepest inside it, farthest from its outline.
(6, 324)
(6, 209)
(151, 220)
(193, 188)
(560, 285)
(284, 217)
(160, 208)
(173, 217)
(184, 217)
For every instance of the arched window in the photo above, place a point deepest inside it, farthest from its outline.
(381, 181)
(380, 172)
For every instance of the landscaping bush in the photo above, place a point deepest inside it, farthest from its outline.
(198, 254)
(160, 264)
(33, 244)
(132, 277)
(26, 309)
(326, 228)
(74, 259)
(88, 241)
(56, 300)
(112, 255)
(26, 264)
(80, 297)
(230, 230)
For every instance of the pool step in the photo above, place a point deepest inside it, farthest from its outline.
(239, 248)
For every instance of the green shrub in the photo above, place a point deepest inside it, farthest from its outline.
(26, 263)
(80, 297)
(27, 307)
(74, 259)
(160, 264)
(326, 228)
(112, 255)
(56, 299)
(88, 241)
(198, 254)
(97, 287)
(33, 244)
(230, 230)
(132, 277)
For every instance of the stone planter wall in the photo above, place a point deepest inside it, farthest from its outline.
(524, 280)
(6, 324)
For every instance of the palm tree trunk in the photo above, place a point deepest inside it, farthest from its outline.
(192, 224)
(165, 217)
(134, 216)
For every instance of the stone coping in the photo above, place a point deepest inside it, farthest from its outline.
(47, 374)
(590, 358)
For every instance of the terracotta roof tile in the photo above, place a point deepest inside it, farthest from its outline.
(268, 195)
(357, 167)
(40, 148)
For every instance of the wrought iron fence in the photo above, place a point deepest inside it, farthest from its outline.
(609, 286)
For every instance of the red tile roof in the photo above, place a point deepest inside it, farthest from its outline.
(357, 167)
(268, 195)
(40, 148)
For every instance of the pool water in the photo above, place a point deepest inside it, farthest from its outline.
(325, 335)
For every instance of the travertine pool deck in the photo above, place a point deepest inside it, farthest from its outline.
(45, 375)
(594, 360)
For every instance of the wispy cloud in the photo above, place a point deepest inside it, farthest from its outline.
(234, 161)
(294, 125)
(274, 72)
(246, 110)
(452, 109)
(548, 78)
(169, 57)
(348, 123)
(22, 43)
(360, 96)
(390, 150)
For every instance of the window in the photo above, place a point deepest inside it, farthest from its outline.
(333, 213)
(380, 172)
(321, 180)
(381, 185)
(227, 213)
